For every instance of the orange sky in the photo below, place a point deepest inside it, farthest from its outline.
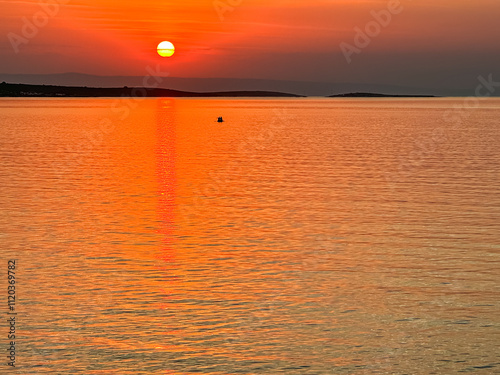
(280, 39)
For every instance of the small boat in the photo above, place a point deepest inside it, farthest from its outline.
(220, 119)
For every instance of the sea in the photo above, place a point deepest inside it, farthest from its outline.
(299, 236)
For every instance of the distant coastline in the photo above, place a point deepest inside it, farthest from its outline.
(15, 90)
(376, 95)
(201, 85)
(18, 90)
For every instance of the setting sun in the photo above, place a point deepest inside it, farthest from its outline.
(165, 49)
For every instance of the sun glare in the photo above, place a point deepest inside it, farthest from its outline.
(165, 49)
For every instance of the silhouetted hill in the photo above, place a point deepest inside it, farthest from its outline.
(308, 88)
(23, 90)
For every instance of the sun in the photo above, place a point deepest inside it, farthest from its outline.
(165, 49)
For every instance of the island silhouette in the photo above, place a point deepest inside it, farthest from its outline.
(27, 90)
(376, 95)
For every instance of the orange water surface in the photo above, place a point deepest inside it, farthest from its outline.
(300, 236)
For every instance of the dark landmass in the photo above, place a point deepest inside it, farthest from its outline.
(307, 88)
(26, 90)
(36, 91)
(375, 95)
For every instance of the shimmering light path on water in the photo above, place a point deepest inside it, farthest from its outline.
(301, 236)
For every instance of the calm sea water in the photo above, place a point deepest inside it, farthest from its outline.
(301, 236)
